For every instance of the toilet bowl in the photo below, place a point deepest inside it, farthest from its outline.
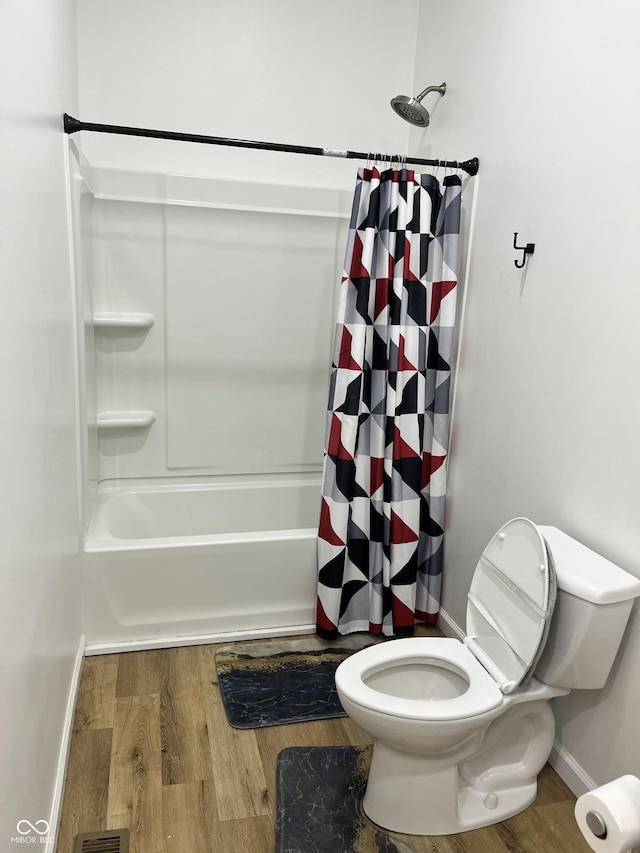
(431, 707)
(461, 729)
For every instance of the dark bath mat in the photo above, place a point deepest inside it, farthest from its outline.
(318, 794)
(287, 681)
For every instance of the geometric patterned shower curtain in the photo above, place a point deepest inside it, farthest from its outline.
(380, 539)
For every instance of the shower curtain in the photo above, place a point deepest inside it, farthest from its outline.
(380, 538)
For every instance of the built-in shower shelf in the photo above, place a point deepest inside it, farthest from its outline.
(126, 419)
(123, 320)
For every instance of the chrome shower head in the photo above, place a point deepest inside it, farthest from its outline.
(411, 109)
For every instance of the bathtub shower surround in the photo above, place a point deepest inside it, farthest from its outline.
(205, 317)
(219, 305)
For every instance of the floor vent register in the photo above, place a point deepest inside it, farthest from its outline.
(107, 841)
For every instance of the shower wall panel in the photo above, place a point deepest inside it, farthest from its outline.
(237, 282)
(128, 278)
(81, 203)
(249, 321)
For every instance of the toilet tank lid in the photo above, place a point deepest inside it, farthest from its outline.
(585, 574)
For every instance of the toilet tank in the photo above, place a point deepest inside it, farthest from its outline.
(593, 604)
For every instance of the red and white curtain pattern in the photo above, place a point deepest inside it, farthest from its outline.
(381, 529)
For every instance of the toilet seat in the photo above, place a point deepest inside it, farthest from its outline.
(481, 695)
(509, 608)
(510, 603)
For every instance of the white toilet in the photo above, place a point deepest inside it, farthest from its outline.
(462, 729)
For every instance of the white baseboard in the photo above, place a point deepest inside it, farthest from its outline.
(568, 769)
(196, 640)
(63, 757)
(448, 626)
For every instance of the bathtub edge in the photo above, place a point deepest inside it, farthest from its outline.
(196, 640)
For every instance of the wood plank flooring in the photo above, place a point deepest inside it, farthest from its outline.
(151, 750)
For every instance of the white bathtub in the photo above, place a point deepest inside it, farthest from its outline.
(175, 562)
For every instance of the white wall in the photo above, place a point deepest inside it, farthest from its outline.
(547, 417)
(40, 622)
(290, 71)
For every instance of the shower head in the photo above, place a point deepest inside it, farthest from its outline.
(411, 109)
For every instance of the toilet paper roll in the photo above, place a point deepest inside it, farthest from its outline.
(609, 816)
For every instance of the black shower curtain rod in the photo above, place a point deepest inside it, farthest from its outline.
(73, 125)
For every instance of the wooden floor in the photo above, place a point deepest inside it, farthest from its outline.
(152, 751)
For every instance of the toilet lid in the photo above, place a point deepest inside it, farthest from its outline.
(510, 603)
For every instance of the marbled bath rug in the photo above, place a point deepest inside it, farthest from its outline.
(287, 681)
(318, 796)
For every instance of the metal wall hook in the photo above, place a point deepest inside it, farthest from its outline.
(528, 250)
